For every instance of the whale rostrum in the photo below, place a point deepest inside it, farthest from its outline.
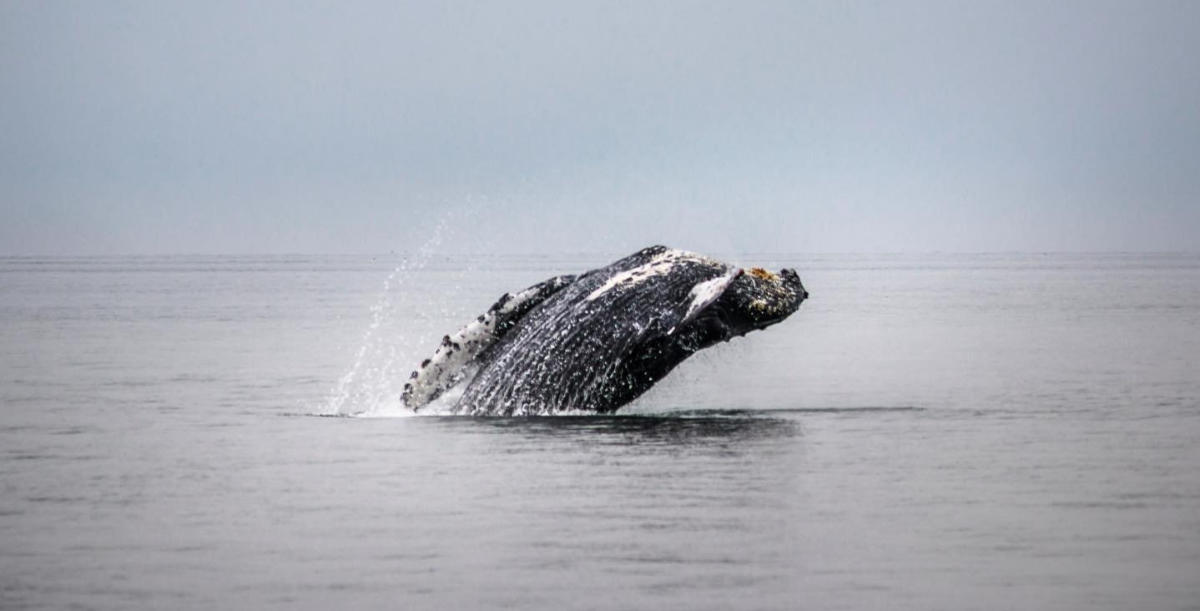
(596, 341)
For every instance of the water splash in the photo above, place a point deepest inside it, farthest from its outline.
(371, 387)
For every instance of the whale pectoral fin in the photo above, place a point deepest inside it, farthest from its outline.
(451, 362)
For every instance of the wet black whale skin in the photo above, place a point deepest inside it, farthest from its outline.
(575, 353)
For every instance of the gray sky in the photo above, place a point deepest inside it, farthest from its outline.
(147, 127)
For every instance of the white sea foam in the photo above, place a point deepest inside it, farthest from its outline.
(370, 387)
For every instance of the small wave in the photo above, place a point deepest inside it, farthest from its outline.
(389, 409)
(738, 412)
(443, 407)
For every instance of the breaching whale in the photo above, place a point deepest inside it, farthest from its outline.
(593, 342)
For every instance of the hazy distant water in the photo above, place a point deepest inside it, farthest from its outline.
(955, 432)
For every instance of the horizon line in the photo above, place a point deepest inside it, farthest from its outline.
(398, 253)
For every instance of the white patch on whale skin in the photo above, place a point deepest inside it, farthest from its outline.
(658, 265)
(447, 367)
(706, 292)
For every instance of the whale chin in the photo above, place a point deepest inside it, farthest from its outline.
(593, 342)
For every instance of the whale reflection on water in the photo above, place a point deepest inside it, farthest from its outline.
(723, 430)
(681, 428)
(648, 429)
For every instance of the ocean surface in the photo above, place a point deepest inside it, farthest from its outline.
(927, 432)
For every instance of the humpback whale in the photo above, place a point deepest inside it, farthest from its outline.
(593, 342)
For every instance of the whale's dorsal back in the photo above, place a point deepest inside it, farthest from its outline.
(449, 364)
(574, 351)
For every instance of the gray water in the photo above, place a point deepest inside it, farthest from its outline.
(941, 431)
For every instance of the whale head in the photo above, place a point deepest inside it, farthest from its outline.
(757, 299)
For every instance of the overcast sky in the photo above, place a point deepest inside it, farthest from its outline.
(261, 127)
